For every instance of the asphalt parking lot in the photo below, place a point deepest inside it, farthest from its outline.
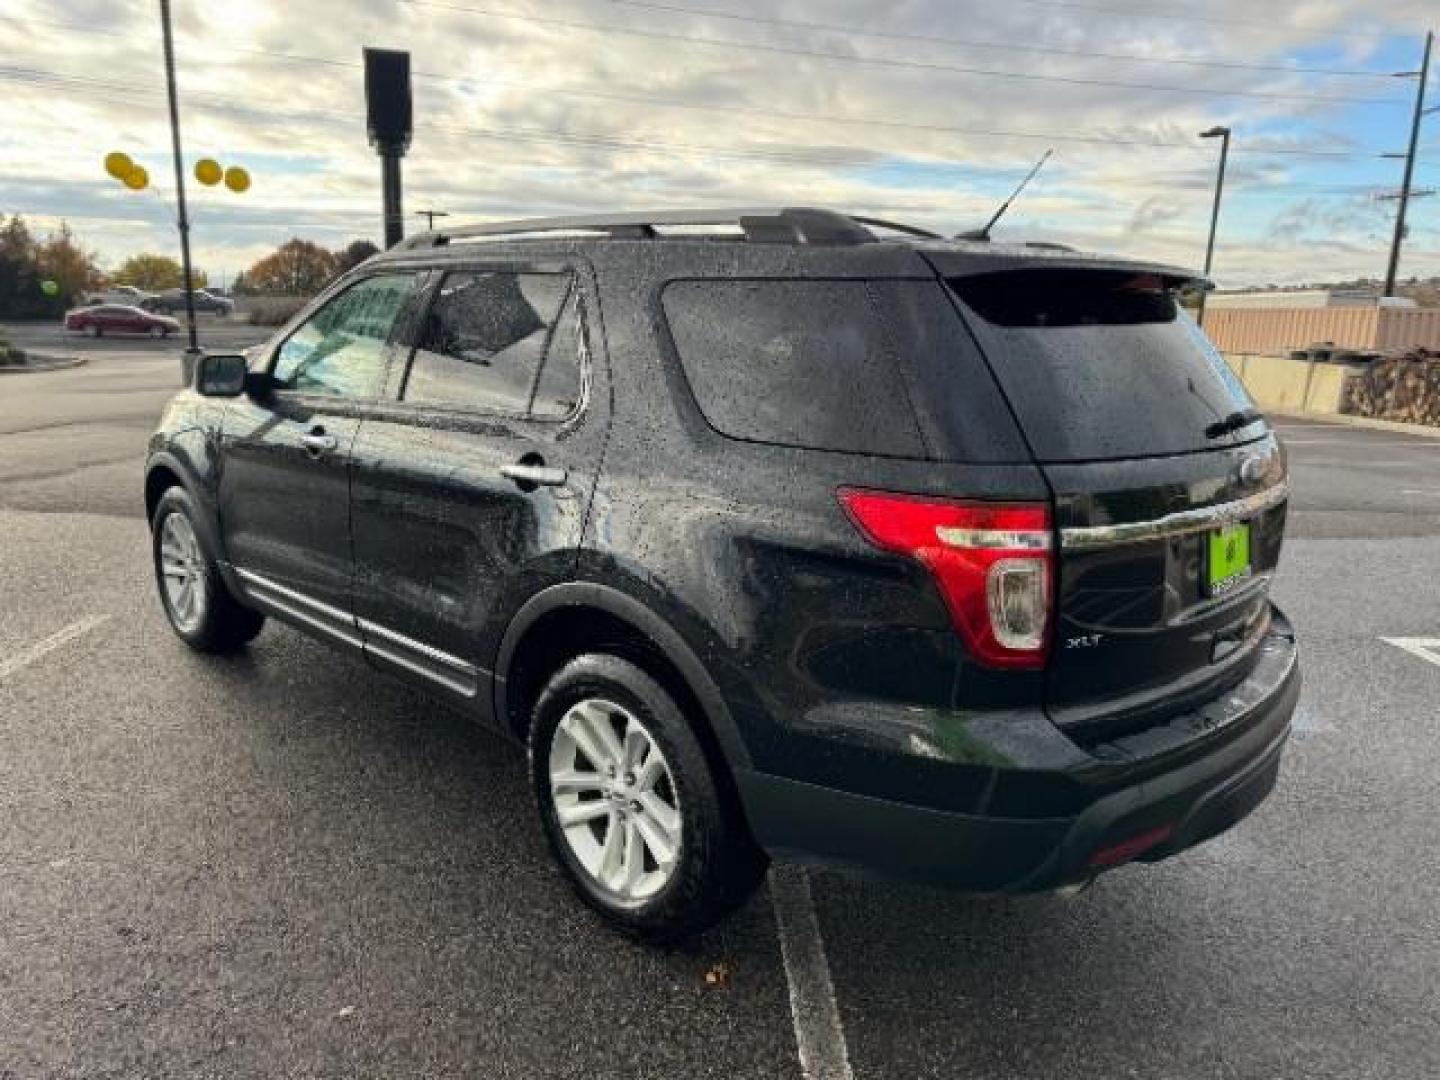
(283, 864)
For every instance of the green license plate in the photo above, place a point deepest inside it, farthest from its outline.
(1228, 565)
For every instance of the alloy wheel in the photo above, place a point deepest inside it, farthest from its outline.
(615, 799)
(183, 572)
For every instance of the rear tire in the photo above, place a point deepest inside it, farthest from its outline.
(196, 600)
(713, 863)
(95, 331)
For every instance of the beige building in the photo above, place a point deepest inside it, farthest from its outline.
(1277, 330)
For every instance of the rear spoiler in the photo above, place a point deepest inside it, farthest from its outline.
(988, 259)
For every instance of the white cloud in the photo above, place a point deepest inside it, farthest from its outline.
(525, 117)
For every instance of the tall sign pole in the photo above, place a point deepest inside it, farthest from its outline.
(388, 122)
(182, 217)
(1399, 239)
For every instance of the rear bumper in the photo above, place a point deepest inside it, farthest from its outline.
(1204, 780)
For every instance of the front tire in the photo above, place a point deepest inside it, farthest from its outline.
(95, 331)
(197, 603)
(630, 803)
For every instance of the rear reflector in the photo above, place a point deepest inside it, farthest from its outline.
(992, 562)
(1136, 846)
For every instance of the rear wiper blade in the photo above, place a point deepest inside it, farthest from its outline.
(1234, 422)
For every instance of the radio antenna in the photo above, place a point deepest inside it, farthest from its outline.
(984, 234)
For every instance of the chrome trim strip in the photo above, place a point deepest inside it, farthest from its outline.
(449, 671)
(1180, 523)
(465, 688)
(419, 648)
(258, 589)
(252, 578)
(994, 539)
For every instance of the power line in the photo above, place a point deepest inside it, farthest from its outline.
(1175, 16)
(801, 156)
(798, 154)
(808, 117)
(970, 43)
(892, 62)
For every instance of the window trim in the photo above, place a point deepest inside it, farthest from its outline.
(395, 396)
(398, 330)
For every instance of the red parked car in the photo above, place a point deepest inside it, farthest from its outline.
(119, 319)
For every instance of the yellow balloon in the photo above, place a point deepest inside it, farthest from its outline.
(118, 164)
(237, 179)
(208, 171)
(137, 179)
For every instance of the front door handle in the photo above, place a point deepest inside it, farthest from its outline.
(531, 475)
(317, 442)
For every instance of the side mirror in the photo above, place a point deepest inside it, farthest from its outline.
(221, 376)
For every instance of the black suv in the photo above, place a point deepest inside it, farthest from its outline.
(778, 532)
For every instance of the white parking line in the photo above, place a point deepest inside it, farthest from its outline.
(63, 636)
(1426, 648)
(818, 1035)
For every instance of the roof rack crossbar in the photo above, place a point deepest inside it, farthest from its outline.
(787, 224)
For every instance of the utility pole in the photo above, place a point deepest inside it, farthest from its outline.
(430, 216)
(182, 217)
(1223, 134)
(1410, 155)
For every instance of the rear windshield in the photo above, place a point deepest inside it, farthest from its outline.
(871, 367)
(1102, 363)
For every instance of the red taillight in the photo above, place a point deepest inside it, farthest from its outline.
(1133, 848)
(992, 561)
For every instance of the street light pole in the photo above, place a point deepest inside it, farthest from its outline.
(1393, 269)
(182, 217)
(1223, 134)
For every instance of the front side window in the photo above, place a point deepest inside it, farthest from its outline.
(341, 349)
(492, 339)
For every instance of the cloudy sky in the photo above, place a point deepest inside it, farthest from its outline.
(922, 110)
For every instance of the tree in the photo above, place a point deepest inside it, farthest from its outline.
(62, 260)
(297, 268)
(353, 254)
(155, 272)
(26, 264)
(18, 280)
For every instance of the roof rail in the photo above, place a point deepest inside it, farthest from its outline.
(802, 225)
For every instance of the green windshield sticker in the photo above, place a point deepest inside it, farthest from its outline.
(1229, 557)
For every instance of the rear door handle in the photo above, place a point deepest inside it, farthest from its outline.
(317, 442)
(530, 476)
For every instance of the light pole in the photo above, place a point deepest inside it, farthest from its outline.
(1223, 134)
(430, 216)
(1424, 73)
(182, 218)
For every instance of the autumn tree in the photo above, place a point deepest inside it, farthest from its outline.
(61, 259)
(353, 254)
(297, 268)
(155, 272)
(27, 263)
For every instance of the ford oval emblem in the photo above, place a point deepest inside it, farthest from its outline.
(1252, 469)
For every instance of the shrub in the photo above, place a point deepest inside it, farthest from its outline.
(273, 310)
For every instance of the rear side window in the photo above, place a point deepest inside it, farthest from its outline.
(1101, 363)
(500, 342)
(798, 363)
(875, 367)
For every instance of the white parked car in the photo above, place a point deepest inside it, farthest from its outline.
(127, 295)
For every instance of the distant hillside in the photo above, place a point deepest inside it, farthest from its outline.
(1424, 291)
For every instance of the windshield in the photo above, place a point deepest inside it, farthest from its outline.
(1102, 363)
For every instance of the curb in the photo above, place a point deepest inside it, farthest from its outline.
(1424, 431)
(46, 363)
